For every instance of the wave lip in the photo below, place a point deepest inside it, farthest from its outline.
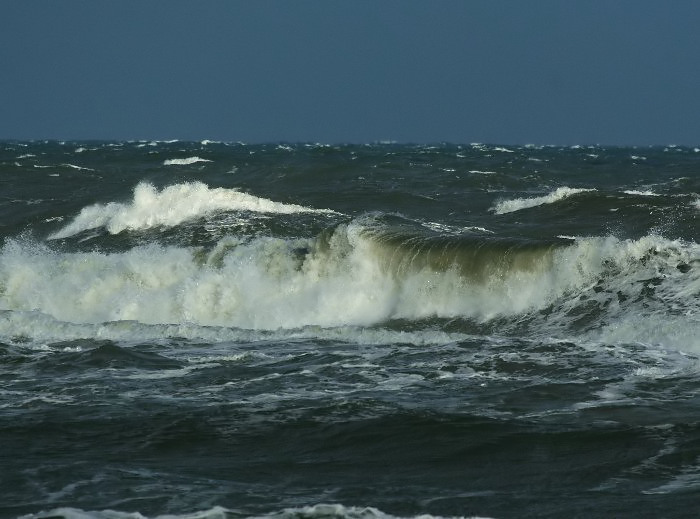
(509, 206)
(170, 207)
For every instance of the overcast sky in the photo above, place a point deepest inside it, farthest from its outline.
(495, 71)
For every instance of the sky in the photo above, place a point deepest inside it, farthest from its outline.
(615, 72)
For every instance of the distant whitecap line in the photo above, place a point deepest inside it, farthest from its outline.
(66, 165)
(640, 193)
(73, 166)
(184, 162)
(509, 206)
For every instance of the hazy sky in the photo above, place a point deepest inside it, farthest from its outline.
(496, 71)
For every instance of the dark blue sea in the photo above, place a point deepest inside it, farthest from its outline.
(206, 330)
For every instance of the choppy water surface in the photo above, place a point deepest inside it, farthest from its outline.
(228, 330)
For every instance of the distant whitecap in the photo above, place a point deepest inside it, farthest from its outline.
(184, 162)
(640, 193)
(509, 206)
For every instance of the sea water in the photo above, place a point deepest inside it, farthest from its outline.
(209, 330)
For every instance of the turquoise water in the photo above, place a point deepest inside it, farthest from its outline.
(302, 330)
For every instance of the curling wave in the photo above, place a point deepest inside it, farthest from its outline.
(360, 274)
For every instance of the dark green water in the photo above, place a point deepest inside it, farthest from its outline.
(229, 330)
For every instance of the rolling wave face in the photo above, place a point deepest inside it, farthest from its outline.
(359, 275)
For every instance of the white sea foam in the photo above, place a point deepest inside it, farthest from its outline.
(509, 206)
(320, 511)
(36, 330)
(335, 288)
(171, 206)
(184, 162)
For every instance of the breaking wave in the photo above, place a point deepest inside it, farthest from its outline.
(170, 207)
(361, 274)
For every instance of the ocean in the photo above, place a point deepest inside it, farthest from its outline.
(225, 330)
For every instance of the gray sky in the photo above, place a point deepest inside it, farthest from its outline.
(496, 71)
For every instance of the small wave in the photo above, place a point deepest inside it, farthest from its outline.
(640, 193)
(184, 162)
(509, 206)
(170, 207)
(72, 166)
(80, 168)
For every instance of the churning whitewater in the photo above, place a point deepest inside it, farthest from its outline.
(359, 274)
(227, 330)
